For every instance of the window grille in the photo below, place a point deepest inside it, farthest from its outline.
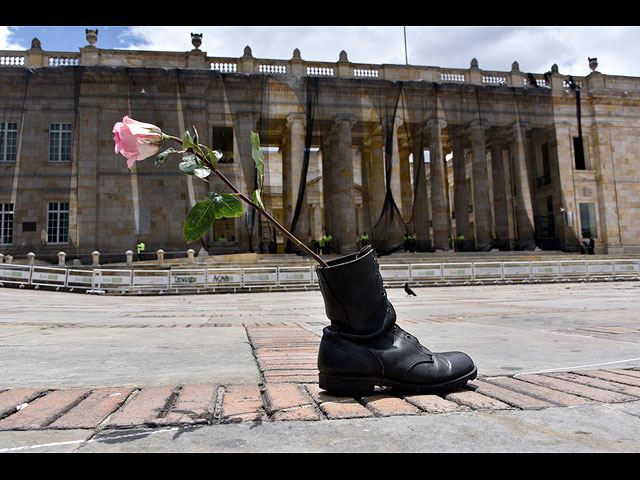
(8, 141)
(58, 223)
(6, 223)
(60, 142)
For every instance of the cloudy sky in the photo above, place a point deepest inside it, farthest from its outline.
(535, 48)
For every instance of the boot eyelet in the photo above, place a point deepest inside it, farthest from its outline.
(383, 293)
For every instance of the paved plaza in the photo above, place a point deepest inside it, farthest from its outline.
(558, 370)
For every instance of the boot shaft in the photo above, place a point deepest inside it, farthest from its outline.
(354, 296)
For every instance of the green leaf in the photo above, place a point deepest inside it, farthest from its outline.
(202, 172)
(189, 164)
(195, 136)
(213, 156)
(199, 219)
(226, 205)
(187, 140)
(257, 199)
(258, 157)
(162, 156)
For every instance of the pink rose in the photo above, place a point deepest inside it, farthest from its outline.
(136, 140)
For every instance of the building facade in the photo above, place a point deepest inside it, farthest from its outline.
(464, 158)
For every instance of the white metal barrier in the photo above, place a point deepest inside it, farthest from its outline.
(15, 274)
(101, 280)
(224, 278)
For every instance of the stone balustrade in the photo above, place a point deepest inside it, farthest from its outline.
(95, 256)
(296, 66)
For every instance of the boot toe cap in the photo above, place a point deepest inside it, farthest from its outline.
(445, 366)
(459, 363)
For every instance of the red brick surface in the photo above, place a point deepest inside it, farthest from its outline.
(596, 394)
(613, 376)
(144, 408)
(288, 401)
(11, 399)
(337, 407)
(44, 410)
(600, 383)
(195, 404)
(542, 393)
(387, 405)
(93, 409)
(434, 404)
(285, 353)
(477, 401)
(242, 403)
(518, 400)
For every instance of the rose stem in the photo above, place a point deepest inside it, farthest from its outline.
(266, 214)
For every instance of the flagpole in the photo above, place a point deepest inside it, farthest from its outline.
(406, 58)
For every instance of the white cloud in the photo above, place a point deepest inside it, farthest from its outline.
(5, 42)
(535, 49)
(362, 44)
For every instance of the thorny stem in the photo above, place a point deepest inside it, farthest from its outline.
(262, 211)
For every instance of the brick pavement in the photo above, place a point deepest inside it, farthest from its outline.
(286, 356)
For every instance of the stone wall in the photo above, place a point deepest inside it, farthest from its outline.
(506, 152)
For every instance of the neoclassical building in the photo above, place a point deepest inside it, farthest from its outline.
(506, 160)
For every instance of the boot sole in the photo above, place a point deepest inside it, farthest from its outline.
(364, 386)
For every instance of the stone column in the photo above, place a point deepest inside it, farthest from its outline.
(524, 205)
(317, 222)
(364, 159)
(439, 208)
(329, 186)
(608, 207)
(338, 188)
(292, 161)
(84, 213)
(377, 177)
(405, 183)
(460, 192)
(567, 212)
(244, 124)
(346, 211)
(421, 206)
(500, 205)
(481, 202)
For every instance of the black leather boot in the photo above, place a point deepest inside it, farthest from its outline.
(364, 347)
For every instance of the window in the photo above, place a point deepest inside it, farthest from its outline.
(223, 141)
(224, 230)
(581, 149)
(588, 220)
(8, 141)
(546, 168)
(6, 223)
(60, 142)
(58, 223)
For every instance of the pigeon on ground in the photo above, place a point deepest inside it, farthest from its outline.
(408, 290)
